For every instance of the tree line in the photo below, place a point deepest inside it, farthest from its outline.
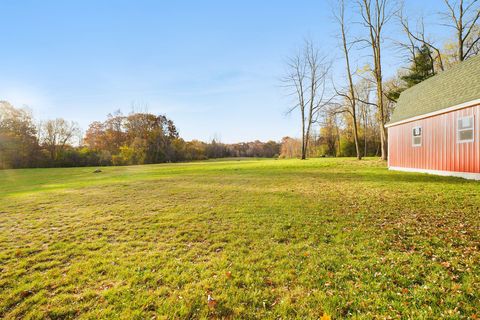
(341, 114)
(348, 117)
(136, 138)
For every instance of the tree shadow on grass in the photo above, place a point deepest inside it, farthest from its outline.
(380, 176)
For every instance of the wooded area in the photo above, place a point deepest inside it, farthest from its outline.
(338, 118)
(137, 138)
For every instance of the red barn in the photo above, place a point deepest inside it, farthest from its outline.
(435, 127)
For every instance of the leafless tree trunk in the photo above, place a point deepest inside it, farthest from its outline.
(350, 97)
(363, 89)
(306, 80)
(375, 16)
(337, 127)
(463, 17)
(365, 126)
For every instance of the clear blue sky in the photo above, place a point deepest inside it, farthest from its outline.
(212, 66)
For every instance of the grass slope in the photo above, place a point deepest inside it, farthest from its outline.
(265, 238)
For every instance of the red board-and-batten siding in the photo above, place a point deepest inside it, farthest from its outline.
(439, 153)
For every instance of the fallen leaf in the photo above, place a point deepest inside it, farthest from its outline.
(268, 282)
(211, 302)
(326, 317)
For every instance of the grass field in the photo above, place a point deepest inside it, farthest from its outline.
(265, 238)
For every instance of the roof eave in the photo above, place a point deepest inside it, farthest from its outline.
(435, 113)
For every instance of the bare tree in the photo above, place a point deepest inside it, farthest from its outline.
(306, 80)
(473, 42)
(463, 17)
(56, 134)
(375, 15)
(350, 96)
(416, 39)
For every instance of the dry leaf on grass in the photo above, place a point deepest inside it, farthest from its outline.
(212, 303)
(326, 317)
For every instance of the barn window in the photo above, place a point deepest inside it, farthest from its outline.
(465, 132)
(417, 136)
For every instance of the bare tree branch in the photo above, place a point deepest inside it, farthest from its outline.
(306, 79)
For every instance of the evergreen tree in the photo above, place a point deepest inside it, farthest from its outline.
(422, 68)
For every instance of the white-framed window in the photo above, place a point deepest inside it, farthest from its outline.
(417, 136)
(465, 129)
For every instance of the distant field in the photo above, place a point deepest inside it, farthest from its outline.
(265, 238)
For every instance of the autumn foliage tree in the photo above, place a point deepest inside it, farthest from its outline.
(18, 140)
(134, 139)
(56, 134)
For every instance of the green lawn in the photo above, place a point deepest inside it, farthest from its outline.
(265, 238)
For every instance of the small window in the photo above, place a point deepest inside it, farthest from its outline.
(417, 136)
(465, 132)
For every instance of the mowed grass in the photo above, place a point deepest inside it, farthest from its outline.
(265, 238)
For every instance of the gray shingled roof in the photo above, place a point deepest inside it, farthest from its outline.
(457, 85)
